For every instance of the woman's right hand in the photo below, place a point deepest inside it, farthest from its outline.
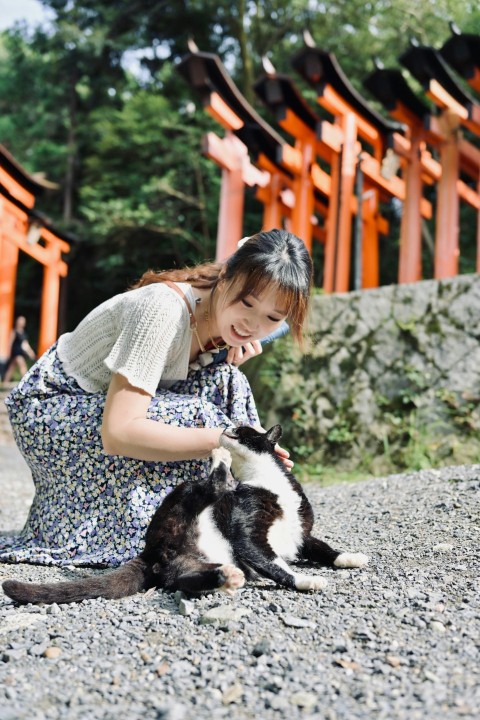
(238, 355)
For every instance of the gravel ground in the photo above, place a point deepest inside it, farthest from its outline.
(398, 639)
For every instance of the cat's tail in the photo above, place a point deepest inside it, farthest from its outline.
(128, 579)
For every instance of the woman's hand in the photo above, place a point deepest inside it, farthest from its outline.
(238, 355)
(284, 456)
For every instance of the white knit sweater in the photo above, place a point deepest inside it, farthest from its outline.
(143, 334)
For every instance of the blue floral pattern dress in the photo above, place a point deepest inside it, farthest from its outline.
(91, 508)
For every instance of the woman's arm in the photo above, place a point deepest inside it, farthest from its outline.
(27, 348)
(127, 431)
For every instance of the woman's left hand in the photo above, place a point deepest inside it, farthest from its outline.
(284, 456)
(238, 355)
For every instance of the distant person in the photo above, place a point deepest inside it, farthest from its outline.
(20, 350)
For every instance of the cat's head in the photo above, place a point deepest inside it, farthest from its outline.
(243, 440)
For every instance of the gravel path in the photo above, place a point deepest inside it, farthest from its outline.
(398, 639)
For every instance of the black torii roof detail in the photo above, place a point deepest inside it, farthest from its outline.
(389, 87)
(205, 73)
(279, 92)
(320, 68)
(462, 52)
(426, 64)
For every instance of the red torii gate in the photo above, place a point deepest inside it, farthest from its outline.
(457, 108)
(24, 229)
(423, 130)
(294, 186)
(355, 123)
(294, 183)
(237, 172)
(278, 164)
(279, 93)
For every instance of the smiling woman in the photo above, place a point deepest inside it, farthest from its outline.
(113, 416)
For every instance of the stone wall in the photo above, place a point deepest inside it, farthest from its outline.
(390, 378)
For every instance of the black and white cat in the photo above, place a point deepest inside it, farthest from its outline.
(211, 534)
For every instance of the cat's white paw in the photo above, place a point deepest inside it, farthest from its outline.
(234, 579)
(220, 455)
(351, 560)
(310, 582)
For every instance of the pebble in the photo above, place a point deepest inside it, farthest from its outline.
(186, 607)
(52, 653)
(297, 622)
(443, 547)
(53, 609)
(223, 613)
(278, 702)
(305, 700)
(232, 694)
(261, 648)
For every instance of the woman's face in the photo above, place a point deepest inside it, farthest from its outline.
(251, 318)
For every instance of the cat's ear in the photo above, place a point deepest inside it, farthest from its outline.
(274, 434)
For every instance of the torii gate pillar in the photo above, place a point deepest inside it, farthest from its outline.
(337, 248)
(410, 260)
(446, 245)
(8, 275)
(230, 215)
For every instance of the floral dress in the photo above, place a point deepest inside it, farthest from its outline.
(91, 508)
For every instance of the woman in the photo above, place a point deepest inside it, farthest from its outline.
(20, 350)
(110, 418)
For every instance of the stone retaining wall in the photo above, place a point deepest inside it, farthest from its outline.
(390, 377)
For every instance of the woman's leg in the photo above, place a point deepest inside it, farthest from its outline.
(15, 362)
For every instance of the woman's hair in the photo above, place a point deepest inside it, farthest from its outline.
(273, 257)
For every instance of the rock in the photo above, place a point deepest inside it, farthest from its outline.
(52, 652)
(303, 699)
(443, 547)
(261, 647)
(146, 657)
(38, 649)
(293, 621)
(393, 661)
(175, 711)
(162, 669)
(437, 626)
(223, 613)
(274, 607)
(274, 684)
(53, 609)
(232, 694)
(178, 596)
(278, 702)
(186, 607)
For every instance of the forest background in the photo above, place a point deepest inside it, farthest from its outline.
(91, 98)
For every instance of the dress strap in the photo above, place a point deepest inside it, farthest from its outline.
(174, 286)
